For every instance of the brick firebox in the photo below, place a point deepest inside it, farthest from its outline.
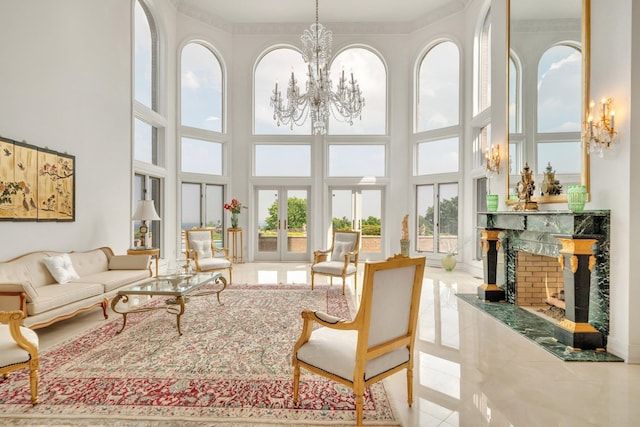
(532, 272)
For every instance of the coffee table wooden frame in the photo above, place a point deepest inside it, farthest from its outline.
(177, 289)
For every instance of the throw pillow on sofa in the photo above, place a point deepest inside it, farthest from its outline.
(61, 268)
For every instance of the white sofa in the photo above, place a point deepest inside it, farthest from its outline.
(27, 284)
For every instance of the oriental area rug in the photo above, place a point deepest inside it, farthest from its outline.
(231, 367)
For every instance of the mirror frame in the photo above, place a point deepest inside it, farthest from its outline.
(586, 78)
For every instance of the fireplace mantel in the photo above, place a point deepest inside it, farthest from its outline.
(538, 232)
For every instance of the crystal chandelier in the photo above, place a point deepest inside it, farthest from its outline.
(345, 103)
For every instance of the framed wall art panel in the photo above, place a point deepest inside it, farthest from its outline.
(36, 184)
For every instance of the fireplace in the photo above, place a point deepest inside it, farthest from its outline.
(577, 242)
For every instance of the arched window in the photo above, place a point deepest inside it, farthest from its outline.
(145, 57)
(201, 88)
(483, 66)
(276, 67)
(370, 73)
(559, 89)
(201, 139)
(516, 137)
(436, 149)
(149, 126)
(559, 110)
(438, 88)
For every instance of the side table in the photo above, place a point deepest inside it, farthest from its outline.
(154, 252)
(235, 248)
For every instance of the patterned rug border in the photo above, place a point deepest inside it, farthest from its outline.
(243, 416)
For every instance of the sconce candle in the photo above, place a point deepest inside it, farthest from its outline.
(599, 134)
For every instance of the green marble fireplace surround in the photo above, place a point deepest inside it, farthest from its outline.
(580, 242)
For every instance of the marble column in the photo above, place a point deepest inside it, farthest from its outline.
(577, 260)
(489, 290)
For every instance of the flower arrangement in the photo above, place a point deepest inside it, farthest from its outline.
(234, 207)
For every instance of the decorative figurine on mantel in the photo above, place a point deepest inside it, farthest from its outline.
(525, 189)
(550, 185)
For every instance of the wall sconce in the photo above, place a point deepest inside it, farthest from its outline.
(493, 160)
(600, 132)
(145, 211)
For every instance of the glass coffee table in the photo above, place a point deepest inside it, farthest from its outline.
(178, 287)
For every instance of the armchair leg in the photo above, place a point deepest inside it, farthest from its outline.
(296, 383)
(359, 409)
(409, 386)
(344, 281)
(33, 382)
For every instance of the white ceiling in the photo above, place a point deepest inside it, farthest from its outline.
(303, 11)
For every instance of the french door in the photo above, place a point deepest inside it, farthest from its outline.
(282, 214)
(360, 209)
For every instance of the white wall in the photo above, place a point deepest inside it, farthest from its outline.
(65, 84)
(614, 74)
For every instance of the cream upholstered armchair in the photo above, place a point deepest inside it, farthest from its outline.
(377, 343)
(18, 349)
(200, 247)
(340, 260)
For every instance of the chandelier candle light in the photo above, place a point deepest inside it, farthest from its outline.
(345, 103)
(599, 134)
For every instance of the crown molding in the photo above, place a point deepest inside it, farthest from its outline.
(208, 18)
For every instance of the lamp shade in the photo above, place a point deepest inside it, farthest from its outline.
(145, 211)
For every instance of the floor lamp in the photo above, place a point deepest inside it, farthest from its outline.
(145, 211)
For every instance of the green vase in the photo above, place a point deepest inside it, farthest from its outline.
(576, 197)
(449, 262)
(492, 202)
(234, 220)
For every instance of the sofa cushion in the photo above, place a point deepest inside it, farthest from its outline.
(60, 268)
(89, 262)
(129, 262)
(57, 295)
(114, 279)
(27, 269)
(25, 287)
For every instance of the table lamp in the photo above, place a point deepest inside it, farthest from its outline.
(145, 211)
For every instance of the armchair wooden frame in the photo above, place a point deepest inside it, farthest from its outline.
(364, 353)
(192, 254)
(13, 319)
(323, 267)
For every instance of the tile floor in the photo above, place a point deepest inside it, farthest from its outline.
(470, 369)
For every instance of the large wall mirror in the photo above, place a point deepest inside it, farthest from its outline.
(548, 94)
